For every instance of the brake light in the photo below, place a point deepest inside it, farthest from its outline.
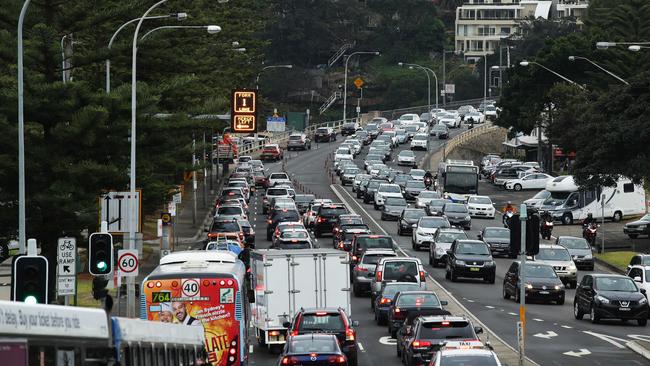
(385, 301)
(374, 236)
(350, 334)
(421, 344)
(287, 360)
(397, 310)
(354, 258)
(378, 276)
(340, 245)
(320, 219)
(337, 359)
(212, 235)
(362, 269)
(269, 221)
(445, 323)
(422, 278)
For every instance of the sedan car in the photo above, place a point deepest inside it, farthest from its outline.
(441, 244)
(480, 206)
(406, 220)
(420, 141)
(312, 350)
(384, 299)
(579, 250)
(440, 130)
(364, 272)
(425, 197)
(393, 207)
(470, 258)
(425, 229)
(530, 181)
(608, 296)
(542, 283)
(413, 188)
(497, 238)
(457, 214)
(406, 157)
(434, 207)
(639, 227)
(347, 177)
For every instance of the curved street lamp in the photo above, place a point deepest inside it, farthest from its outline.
(211, 29)
(345, 77)
(527, 63)
(573, 58)
(257, 78)
(426, 70)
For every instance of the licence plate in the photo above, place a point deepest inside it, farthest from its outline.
(544, 292)
(480, 213)
(624, 309)
(474, 269)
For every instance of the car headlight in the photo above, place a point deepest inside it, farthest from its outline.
(572, 267)
(467, 218)
(589, 256)
(602, 299)
(642, 226)
(459, 262)
(643, 301)
(489, 263)
(557, 287)
(529, 286)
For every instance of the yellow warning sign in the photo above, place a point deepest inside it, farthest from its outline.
(358, 83)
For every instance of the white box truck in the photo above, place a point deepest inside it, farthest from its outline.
(284, 281)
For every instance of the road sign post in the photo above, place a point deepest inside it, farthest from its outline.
(521, 325)
(66, 273)
(114, 209)
(128, 262)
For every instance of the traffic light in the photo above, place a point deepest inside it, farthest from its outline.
(532, 235)
(100, 248)
(514, 224)
(30, 279)
(99, 288)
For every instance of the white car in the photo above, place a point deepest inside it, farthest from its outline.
(449, 119)
(355, 145)
(384, 191)
(538, 199)
(472, 352)
(425, 197)
(640, 275)
(337, 161)
(408, 118)
(406, 157)
(420, 141)
(342, 153)
(417, 174)
(475, 116)
(277, 178)
(491, 112)
(426, 227)
(375, 168)
(480, 206)
(530, 181)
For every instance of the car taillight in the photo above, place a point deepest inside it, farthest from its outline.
(320, 219)
(288, 360)
(341, 245)
(385, 301)
(420, 344)
(422, 278)
(398, 314)
(378, 276)
(269, 221)
(362, 269)
(337, 360)
(212, 235)
(350, 334)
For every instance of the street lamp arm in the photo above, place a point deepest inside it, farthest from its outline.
(110, 43)
(558, 75)
(602, 69)
(175, 27)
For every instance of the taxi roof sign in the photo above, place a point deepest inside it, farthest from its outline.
(463, 345)
(243, 113)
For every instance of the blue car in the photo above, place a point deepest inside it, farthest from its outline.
(312, 349)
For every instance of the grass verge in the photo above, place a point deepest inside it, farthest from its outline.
(617, 259)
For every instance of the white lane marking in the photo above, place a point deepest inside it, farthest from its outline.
(548, 335)
(513, 314)
(607, 338)
(538, 320)
(468, 300)
(640, 337)
(580, 353)
(489, 307)
(447, 292)
(567, 327)
(361, 347)
(388, 341)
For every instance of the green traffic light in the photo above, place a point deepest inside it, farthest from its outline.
(101, 265)
(30, 299)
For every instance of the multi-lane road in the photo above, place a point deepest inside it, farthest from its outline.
(554, 336)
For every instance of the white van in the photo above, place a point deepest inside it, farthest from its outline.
(569, 203)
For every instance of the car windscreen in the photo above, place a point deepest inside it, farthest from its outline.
(480, 200)
(374, 184)
(373, 258)
(277, 192)
(395, 201)
(418, 300)
(402, 271)
(539, 271)
(472, 248)
(381, 242)
(229, 210)
(351, 171)
(437, 203)
(414, 214)
(429, 194)
(332, 211)
(278, 176)
(390, 291)
(447, 330)
(225, 226)
(321, 321)
(420, 138)
(322, 130)
(459, 208)
(415, 184)
(497, 233)
(304, 198)
(389, 188)
(574, 243)
(615, 284)
(294, 235)
(457, 359)
(432, 222)
(289, 215)
(549, 254)
(450, 237)
(407, 153)
(411, 128)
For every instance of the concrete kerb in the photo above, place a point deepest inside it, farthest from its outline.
(640, 347)
(609, 266)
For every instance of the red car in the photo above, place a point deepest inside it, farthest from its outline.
(271, 152)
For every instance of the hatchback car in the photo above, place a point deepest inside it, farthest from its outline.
(440, 130)
(413, 304)
(579, 249)
(559, 257)
(458, 215)
(441, 244)
(271, 152)
(608, 296)
(425, 197)
(364, 271)
(470, 258)
(324, 134)
(397, 269)
(384, 299)
(326, 216)
(413, 188)
(393, 207)
(434, 207)
(542, 283)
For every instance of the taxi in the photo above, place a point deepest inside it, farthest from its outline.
(465, 353)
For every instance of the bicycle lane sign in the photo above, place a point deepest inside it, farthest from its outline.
(127, 262)
(66, 256)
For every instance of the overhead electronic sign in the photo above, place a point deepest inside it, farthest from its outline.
(243, 114)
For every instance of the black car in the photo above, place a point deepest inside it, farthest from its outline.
(327, 320)
(346, 219)
(412, 304)
(542, 283)
(312, 350)
(278, 217)
(343, 238)
(371, 189)
(324, 134)
(363, 185)
(406, 220)
(434, 207)
(470, 258)
(223, 226)
(360, 243)
(458, 215)
(363, 137)
(400, 179)
(417, 343)
(442, 131)
(372, 129)
(326, 217)
(393, 207)
(497, 238)
(382, 302)
(348, 128)
(608, 296)
(413, 188)
(639, 227)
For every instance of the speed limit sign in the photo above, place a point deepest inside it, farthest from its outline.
(127, 262)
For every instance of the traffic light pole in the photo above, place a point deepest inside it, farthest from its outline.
(523, 216)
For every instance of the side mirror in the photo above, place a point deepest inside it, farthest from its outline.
(286, 324)
(414, 226)
(444, 302)
(355, 323)
(637, 279)
(478, 330)
(643, 291)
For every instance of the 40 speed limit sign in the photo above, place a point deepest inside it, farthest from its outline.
(127, 262)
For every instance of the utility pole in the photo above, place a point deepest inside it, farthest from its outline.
(205, 176)
(444, 77)
(523, 216)
(194, 180)
(212, 161)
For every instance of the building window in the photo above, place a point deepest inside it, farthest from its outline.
(505, 30)
(628, 187)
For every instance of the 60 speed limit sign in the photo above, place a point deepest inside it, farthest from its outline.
(127, 262)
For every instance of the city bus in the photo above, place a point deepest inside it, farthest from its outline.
(205, 289)
(39, 334)
(458, 179)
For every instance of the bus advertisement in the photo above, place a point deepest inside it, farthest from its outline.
(213, 303)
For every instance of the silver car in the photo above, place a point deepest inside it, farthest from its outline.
(559, 257)
(364, 272)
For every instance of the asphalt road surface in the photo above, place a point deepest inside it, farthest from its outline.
(554, 336)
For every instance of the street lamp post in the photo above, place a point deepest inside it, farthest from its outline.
(211, 29)
(573, 58)
(179, 16)
(526, 63)
(427, 71)
(411, 66)
(444, 76)
(345, 77)
(257, 78)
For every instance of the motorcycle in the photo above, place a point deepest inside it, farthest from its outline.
(506, 219)
(428, 182)
(589, 232)
(546, 228)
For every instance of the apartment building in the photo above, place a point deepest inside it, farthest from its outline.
(480, 24)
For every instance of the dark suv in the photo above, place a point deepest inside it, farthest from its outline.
(413, 304)
(324, 134)
(608, 296)
(362, 242)
(348, 128)
(327, 216)
(416, 343)
(278, 217)
(470, 258)
(542, 283)
(328, 320)
(407, 219)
